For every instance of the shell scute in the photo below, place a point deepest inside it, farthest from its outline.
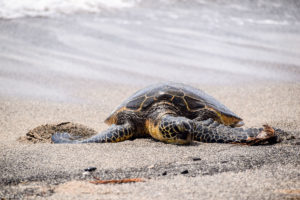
(148, 102)
(179, 101)
(163, 96)
(194, 104)
(136, 103)
(174, 91)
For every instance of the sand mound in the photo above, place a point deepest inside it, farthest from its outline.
(43, 133)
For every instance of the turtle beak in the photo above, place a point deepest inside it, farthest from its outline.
(239, 124)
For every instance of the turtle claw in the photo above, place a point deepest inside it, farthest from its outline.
(266, 135)
(267, 132)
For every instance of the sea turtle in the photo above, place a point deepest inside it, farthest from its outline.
(174, 113)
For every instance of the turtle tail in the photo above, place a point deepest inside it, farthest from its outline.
(212, 131)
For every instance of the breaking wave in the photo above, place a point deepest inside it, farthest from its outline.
(10, 9)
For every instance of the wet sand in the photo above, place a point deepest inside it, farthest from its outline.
(78, 69)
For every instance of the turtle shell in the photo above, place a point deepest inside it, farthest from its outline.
(184, 97)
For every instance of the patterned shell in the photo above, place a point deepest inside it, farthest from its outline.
(181, 95)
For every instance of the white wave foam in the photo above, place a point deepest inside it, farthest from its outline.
(10, 9)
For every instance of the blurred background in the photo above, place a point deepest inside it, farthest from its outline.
(60, 50)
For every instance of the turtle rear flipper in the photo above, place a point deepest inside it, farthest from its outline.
(115, 133)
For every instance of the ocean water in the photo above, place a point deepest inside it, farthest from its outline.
(49, 46)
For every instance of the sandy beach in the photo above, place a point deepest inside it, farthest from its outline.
(78, 68)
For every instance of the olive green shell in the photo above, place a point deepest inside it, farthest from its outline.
(180, 95)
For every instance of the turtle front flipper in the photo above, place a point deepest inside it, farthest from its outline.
(115, 133)
(212, 131)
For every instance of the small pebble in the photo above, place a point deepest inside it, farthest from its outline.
(165, 173)
(185, 172)
(196, 158)
(151, 166)
(90, 169)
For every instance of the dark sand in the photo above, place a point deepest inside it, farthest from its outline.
(79, 68)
